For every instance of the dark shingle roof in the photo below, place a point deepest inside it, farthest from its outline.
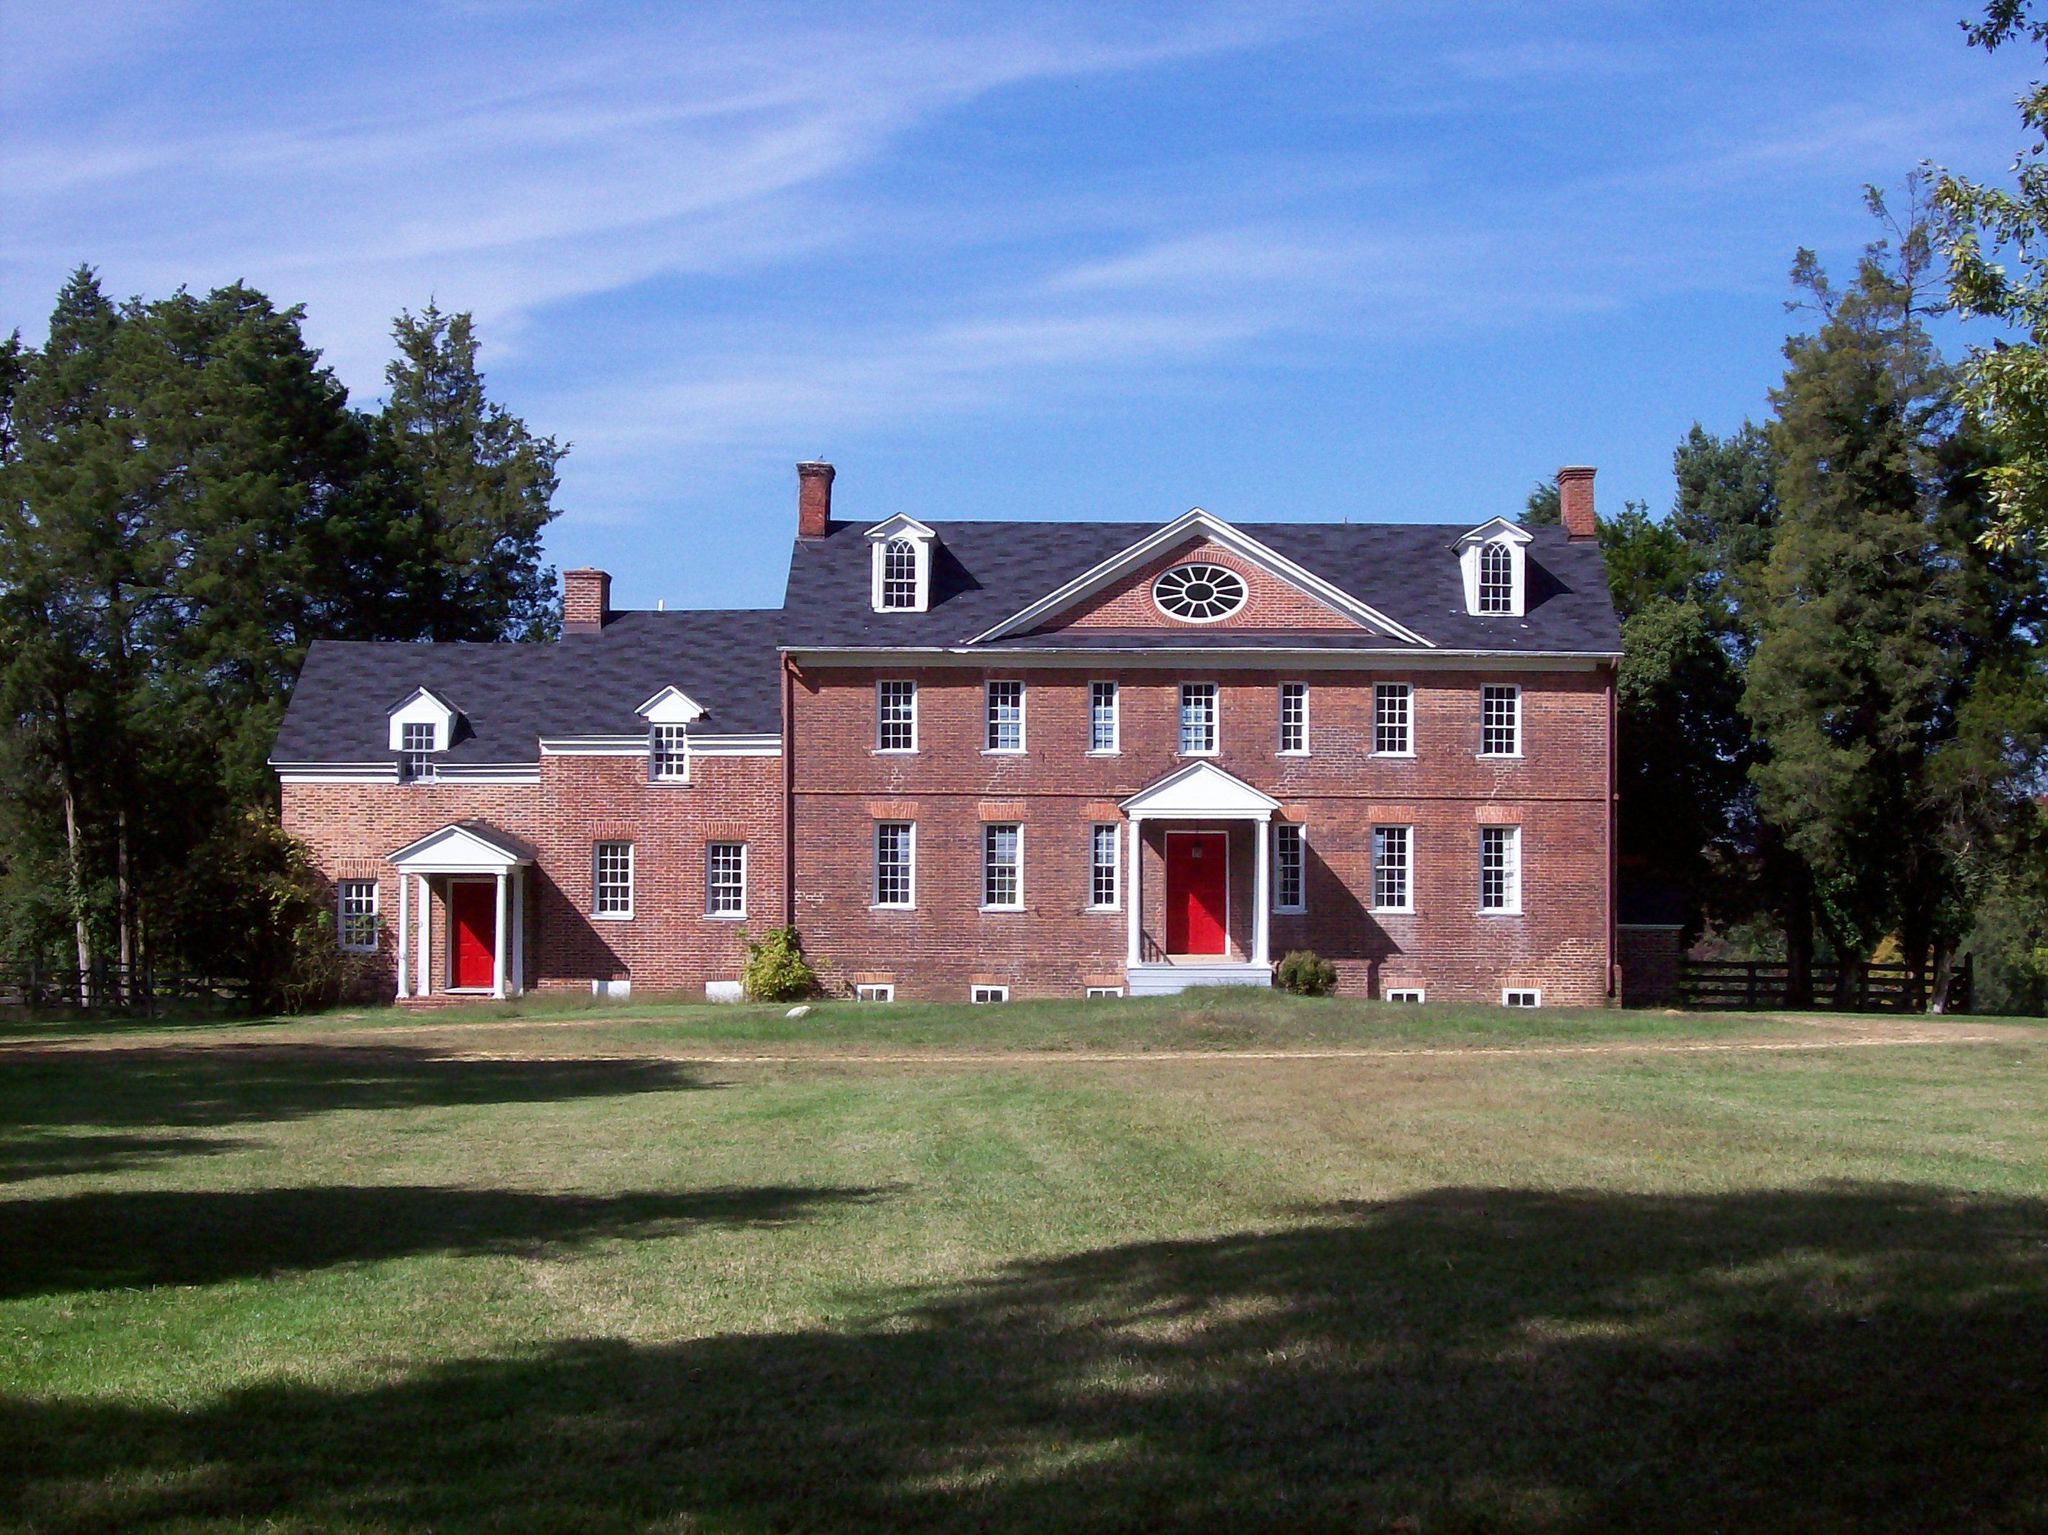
(984, 572)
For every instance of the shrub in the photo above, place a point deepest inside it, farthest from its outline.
(1306, 975)
(776, 968)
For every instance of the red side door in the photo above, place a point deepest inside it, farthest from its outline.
(473, 915)
(1197, 879)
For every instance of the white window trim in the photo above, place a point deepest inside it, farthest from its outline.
(1215, 747)
(745, 860)
(1116, 865)
(376, 916)
(1407, 909)
(1483, 754)
(1513, 908)
(1405, 994)
(1280, 725)
(1376, 752)
(1535, 992)
(1503, 534)
(1116, 718)
(1301, 837)
(879, 749)
(632, 868)
(921, 539)
(980, 995)
(654, 774)
(1023, 718)
(874, 991)
(875, 901)
(1018, 904)
(1100, 993)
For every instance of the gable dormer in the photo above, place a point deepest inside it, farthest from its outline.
(1494, 559)
(900, 560)
(422, 708)
(669, 715)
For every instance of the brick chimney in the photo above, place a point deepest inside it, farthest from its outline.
(586, 601)
(813, 499)
(1575, 501)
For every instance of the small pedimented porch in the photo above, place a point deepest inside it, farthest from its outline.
(481, 875)
(1203, 815)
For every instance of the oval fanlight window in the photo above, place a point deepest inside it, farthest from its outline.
(1200, 594)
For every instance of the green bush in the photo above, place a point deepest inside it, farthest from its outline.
(1307, 975)
(776, 968)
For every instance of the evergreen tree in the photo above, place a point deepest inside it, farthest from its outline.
(1543, 509)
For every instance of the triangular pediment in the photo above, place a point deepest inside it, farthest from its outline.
(671, 706)
(1497, 528)
(1303, 599)
(1201, 791)
(463, 848)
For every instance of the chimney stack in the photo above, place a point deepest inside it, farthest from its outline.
(1575, 502)
(586, 601)
(813, 499)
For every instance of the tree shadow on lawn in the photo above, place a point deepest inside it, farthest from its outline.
(110, 1241)
(46, 1097)
(1867, 1358)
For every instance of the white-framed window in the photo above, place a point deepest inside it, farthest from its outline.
(1102, 867)
(1094, 993)
(875, 991)
(416, 743)
(1002, 866)
(1294, 717)
(1289, 883)
(1496, 578)
(355, 914)
(1392, 850)
(979, 994)
(1521, 996)
(899, 575)
(725, 879)
(668, 754)
(1005, 717)
(1404, 994)
(1500, 868)
(1198, 719)
(611, 879)
(895, 863)
(1500, 720)
(1393, 713)
(1102, 719)
(896, 715)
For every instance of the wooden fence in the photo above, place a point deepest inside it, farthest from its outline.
(118, 989)
(1708, 983)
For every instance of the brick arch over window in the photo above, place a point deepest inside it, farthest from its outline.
(1270, 603)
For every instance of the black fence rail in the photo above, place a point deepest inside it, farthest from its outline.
(1880, 988)
(118, 989)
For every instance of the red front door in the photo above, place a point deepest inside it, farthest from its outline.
(1197, 878)
(473, 917)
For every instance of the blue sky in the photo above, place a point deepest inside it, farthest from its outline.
(1281, 261)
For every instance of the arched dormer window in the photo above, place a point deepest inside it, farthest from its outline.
(900, 566)
(1495, 567)
(1496, 578)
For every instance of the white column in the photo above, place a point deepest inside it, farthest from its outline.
(1262, 895)
(1134, 895)
(499, 938)
(404, 935)
(518, 931)
(426, 986)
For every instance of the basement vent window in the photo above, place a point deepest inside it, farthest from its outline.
(989, 994)
(1512, 998)
(1095, 993)
(874, 993)
(1405, 994)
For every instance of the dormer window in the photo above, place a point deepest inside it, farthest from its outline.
(1494, 560)
(668, 753)
(416, 748)
(422, 724)
(900, 566)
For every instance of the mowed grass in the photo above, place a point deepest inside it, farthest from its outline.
(1137, 1266)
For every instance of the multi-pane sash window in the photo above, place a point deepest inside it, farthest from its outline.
(668, 751)
(416, 748)
(1102, 717)
(895, 862)
(1500, 720)
(356, 914)
(899, 574)
(1390, 868)
(1197, 719)
(1496, 578)
(1005, 717)
(611, 879)
(725, 879)
(1002, 865)
(1294, 716)
(1287, 867)
(1102, 867)
(1500, 868)
(896, 716)
(1392, 703)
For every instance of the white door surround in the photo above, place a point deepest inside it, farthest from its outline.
(1201, 792)
(475, 851)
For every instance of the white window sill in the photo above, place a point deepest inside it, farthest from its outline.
(1391, 911)
(1004, 908)
(892, 906)
(725, 916)
(892, 751)
(1002, 751)
(611, 916)
(357, 948)
(1211, 752)
(1117, 907)
(1498, 756)
(669, 783)
(1290, 911)
(1104, 751)
(1292, 751)
(1500, 911)
(1406, 756)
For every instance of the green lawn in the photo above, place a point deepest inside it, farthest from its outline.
(1243, 1262)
